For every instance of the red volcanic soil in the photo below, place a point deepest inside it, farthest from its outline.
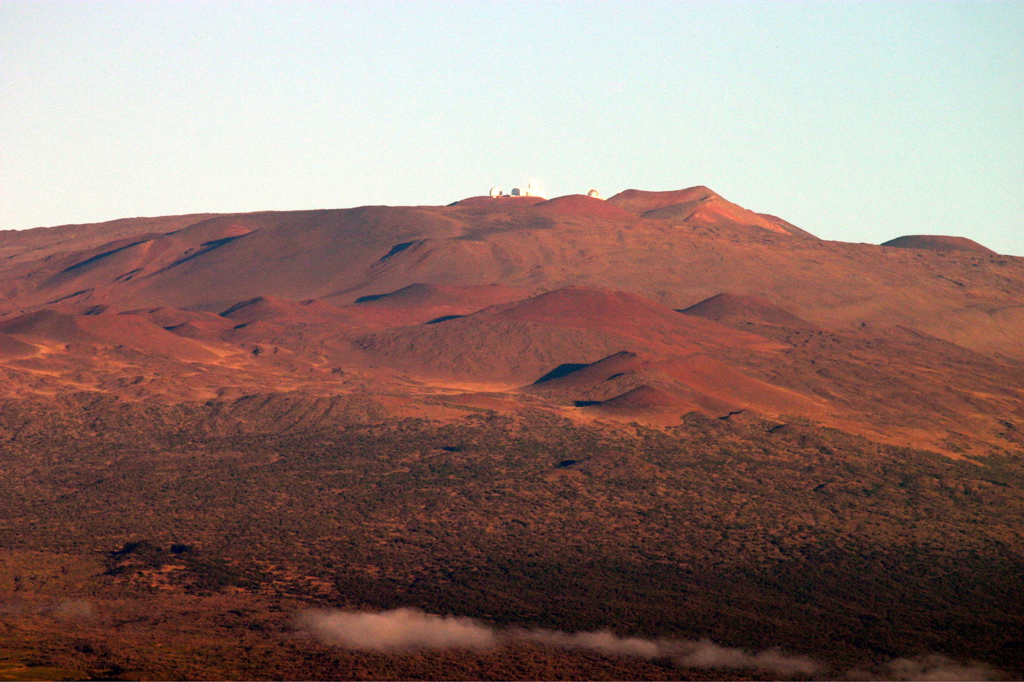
(614, 365)
(190, 324)
(698, 380)
(475, 297)
(644, 402)
(732, 308)
(11, 347)
(21, 245)
(936, 242)
(639, 201)
(649, 324)
(785, 224)
(170, 317)
(698, 207)
(534, 338)
(220, 227)
(47, 325)
(522, 341)
(422, 303)
(716, 211)
(442, 294)
(111, 330)
(143, 335)
(280, 311)
(580, 206)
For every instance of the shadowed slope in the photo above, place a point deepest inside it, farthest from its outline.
(271, 309)
(934, 242)
(422, 303)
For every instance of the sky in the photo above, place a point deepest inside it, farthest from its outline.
(857, 121)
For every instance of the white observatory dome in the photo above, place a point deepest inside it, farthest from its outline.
(594, 194)
(496, 192)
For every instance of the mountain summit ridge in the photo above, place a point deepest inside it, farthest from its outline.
(503, 291)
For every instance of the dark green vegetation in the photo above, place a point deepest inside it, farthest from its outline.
(225, 518)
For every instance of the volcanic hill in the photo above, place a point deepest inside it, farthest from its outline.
(499, 292)
(397, 406)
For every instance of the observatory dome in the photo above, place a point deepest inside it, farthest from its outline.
(529, 191)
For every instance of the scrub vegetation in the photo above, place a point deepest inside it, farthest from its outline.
(184, 531)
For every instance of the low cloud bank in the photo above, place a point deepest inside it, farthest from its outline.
(933, 668)
(405, 630)
(687, 654)
(398, 630)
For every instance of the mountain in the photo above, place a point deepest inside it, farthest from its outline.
(503, 291)
(662, 415)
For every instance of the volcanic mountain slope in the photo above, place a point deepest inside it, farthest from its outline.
(696, 382)
(573, 348)
(50, 328)
(504, 291)
(746, 310)
(662, 416)
(519, 342)
(700, 207)
(969, 298)
(25, 245)
(422, 303)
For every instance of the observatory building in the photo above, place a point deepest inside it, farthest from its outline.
(529, 191)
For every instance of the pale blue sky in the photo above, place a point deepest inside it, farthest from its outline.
(857, 121)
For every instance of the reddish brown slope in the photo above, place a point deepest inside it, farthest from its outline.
(11, 347)
(628, 316)
(479, 253)
(422, 303)
(520, 342)
(580, 206)
(639, 202)
(934, 242)
(698, 207)
(51, 327)
(698, 380)
(730, 309)
(271, 309)
(970, 298)
(18, 246)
